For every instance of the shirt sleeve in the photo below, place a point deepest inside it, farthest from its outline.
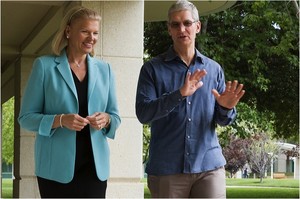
(149, 106)
(223, 116)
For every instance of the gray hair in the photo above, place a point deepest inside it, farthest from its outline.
(181, 5)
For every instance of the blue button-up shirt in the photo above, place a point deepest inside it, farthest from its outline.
(183, 137)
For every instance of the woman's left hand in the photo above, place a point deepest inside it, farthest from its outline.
(99, 120)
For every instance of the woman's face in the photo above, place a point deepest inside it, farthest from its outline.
(83, 35)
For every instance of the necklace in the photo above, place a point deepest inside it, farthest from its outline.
(78, 65)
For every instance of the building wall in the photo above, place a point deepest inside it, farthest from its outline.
(121, 45)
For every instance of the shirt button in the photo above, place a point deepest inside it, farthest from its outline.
(187, 153)
(188, 137)
(189, 103)
(189, 119)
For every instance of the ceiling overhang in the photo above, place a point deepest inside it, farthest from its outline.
(158, 10)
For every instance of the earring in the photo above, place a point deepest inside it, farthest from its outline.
(67, 36)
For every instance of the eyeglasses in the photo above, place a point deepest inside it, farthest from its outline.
(186, 23)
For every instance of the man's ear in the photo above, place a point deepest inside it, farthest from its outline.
(198, 27)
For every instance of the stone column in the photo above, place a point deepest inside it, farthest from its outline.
(24, 184)
(121, 45)
(296, 167)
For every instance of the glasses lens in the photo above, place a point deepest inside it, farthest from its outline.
(187, 23)
(176, 24)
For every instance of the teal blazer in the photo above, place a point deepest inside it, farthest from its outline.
(50, 91)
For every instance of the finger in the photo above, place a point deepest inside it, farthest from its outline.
(199, 84)
(234, 85)
(203, 73)
(240, 94)
(188, 77)
(215, 93)
(239, 88)
(228, 86)
(82, 120)
(198, 74)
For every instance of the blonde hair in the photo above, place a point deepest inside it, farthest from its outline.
(60, 40)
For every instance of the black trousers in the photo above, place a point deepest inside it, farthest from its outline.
(85, 184)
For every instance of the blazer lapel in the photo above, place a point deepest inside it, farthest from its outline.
(65, 71)
(93, 74)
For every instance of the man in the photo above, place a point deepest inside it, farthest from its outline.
(182, 94)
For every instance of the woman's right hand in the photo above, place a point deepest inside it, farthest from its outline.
(73, 121)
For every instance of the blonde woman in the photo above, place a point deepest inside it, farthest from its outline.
(70, 102)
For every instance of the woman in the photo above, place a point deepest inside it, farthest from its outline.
(70, 102)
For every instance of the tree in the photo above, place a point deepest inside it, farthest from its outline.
(238, 148)
(260, 153)
(235, 154)
(257, 43)
(8, 131)
(248, 122)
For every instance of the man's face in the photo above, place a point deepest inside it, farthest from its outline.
(183, 28)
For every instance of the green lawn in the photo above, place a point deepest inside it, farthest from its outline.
(236, 188)
(274, 192)
(290, 183)
(6, 188)
(252, 188)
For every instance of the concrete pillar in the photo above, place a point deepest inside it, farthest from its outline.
(121, 45)
(296, 167)
(281, 163)
(24, 184)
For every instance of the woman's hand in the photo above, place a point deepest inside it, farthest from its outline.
(99, 120)
(73, 121)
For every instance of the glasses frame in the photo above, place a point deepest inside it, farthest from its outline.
(186, 24)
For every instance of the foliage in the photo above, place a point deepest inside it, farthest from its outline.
(248, 122)
(237, 138)
(260, 153)
(146, 142)
(235, 154)
(257, 43)
(8, 131)
(156, 38)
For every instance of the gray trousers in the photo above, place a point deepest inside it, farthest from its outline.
(210, 184)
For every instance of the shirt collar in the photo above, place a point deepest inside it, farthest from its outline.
(171, 55)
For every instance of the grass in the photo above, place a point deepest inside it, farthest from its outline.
(262, 192)
(236, 188)
(252, 188)
(288, 183)
(6, 188)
